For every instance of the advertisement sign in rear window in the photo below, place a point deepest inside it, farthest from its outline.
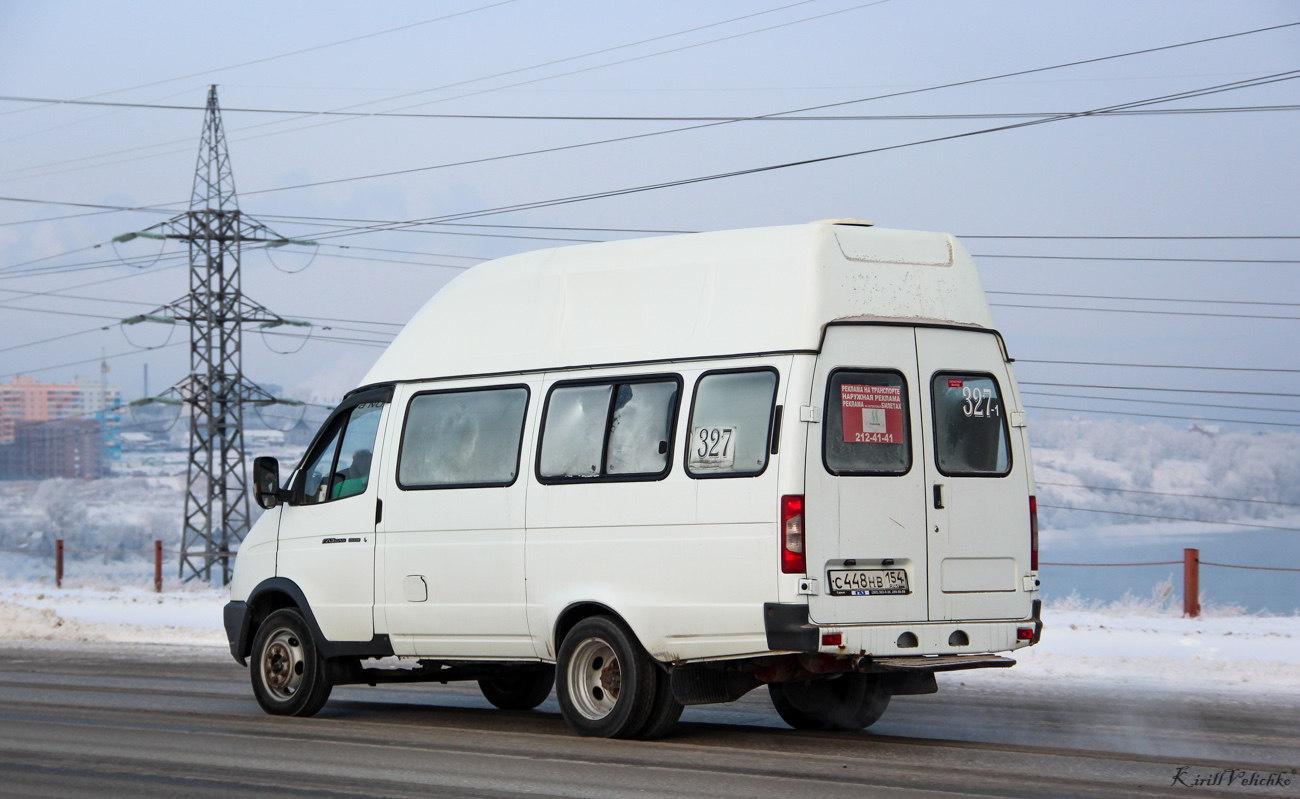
(866, 429)
(872, 414)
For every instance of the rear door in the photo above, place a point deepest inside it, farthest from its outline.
(865, 512)
(976, 475)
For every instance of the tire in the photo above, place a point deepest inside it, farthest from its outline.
(288, 672)
(665, 710)
(845, 703)
(522, 691)
(605, 682)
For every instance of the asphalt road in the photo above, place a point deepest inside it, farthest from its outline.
(155, 721)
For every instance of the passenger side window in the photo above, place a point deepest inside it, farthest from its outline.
(462, 438)
(341, 467)
(619, 429)
(970, 425)
(731, 419)
(866, 431)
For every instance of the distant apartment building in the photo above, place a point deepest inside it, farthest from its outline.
(58, 430)
(61, 448)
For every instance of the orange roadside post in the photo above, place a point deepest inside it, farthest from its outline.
(1191, 583)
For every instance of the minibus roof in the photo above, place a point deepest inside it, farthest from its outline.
(676, 297)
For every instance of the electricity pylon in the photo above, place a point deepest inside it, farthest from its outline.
(216, 390)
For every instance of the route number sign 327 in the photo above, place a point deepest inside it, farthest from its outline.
(712, 448)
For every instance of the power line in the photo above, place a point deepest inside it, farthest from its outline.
(60, 292)
(391, 173)
(1110, 258)
(1172, 518)
(792, 111)
(1136, 238)
(1152, 388)
(808, 161)
(152, 208)
(303, 220)
(285, 55)
(55, 218)
(1141, 299)
(674, 231)
(1147, 312)
(483, 78)
(1161, 416)
(56, 338)
(1161, 402)
(602, 66)
(93, 360)
(642, 118)
(1163, 366)
(1169, 494)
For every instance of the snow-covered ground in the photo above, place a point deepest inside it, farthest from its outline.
(37, 612)
(1130, 645)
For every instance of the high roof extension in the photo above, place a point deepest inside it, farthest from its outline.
(676, 297)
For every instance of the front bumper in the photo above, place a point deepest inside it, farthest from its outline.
(235, 617)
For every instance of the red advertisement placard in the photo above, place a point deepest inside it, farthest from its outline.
(872, 414)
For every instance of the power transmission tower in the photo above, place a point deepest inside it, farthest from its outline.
(216, 390)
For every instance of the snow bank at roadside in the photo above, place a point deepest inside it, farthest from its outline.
(115, 615)
(1252, 658)
(1138, 644)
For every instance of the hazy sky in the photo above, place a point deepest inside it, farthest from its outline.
(1177, 175)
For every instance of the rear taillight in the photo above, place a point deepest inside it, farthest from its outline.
(1033, 534)
(792, 554)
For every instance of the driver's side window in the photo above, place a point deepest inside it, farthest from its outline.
(335, 472)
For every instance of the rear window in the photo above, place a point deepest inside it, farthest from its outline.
(866, 427)
(970, 425)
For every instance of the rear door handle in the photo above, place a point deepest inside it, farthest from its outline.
(938, 496)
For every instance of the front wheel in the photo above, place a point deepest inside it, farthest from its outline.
(605, 682)
(288, 672)
(522, 691)
(844, 703)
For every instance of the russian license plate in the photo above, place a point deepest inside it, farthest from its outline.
(867, 582)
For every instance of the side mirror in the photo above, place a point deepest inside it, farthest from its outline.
(266, 483)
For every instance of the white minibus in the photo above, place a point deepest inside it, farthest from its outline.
(662, 472)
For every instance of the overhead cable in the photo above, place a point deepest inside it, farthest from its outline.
(1169, 494)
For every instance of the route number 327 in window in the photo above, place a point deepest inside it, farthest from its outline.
(979, 402)
(713, 447)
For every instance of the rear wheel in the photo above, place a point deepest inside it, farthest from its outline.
(845, 702)
(522, 691)
(605, 681)
(665, 710)
(288, 672)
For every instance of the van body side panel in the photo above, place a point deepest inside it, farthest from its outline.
(453, 558)
(979, 539)
(687, 563)
(328, 550)
(865, 514)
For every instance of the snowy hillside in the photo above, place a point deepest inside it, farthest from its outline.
(1165, 461)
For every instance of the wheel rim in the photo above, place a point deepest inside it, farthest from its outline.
(595, 678)
(283, 664)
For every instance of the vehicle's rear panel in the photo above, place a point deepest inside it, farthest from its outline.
(917, 483)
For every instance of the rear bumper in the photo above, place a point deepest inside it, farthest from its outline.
(789, 630)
